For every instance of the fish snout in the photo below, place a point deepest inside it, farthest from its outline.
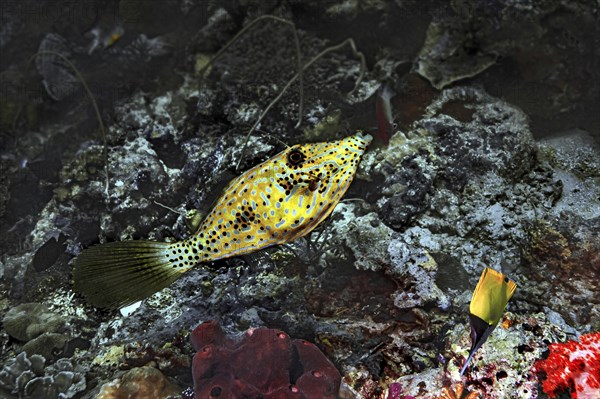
(362, 140)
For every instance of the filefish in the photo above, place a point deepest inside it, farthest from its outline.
(491, 295)
(275, 202)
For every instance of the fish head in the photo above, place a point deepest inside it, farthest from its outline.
(310, 179)
(326, 169)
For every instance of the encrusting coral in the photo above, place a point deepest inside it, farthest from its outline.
(139, 383)
(265, 363)
(573, 366)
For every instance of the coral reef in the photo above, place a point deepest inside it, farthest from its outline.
(563, 247)
(29, 320)
(265, 362)
(139, 383)
(501, 366)
(42, 331)
(573, 366)
(457, 392)
(512, 43)
(29, 378)
(47, 344)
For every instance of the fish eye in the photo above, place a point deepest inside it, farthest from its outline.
(295, 157)
(506, 280)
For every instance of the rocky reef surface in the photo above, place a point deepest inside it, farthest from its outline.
(494, 161)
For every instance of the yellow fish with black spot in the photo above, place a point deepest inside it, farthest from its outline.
(275, 202)
(491, 295)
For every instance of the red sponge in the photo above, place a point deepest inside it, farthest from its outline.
(573, 366)
(264, 363)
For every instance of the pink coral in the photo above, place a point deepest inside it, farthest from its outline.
(265, 363)
(395, 391)
(573, 365)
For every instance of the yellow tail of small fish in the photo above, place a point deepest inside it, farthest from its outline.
(117, 274)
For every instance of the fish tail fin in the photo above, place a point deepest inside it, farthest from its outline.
(117, 274)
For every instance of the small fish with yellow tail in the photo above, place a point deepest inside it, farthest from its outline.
(275, 202)
(491, 295)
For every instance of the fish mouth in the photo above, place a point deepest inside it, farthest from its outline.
(364, 139)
